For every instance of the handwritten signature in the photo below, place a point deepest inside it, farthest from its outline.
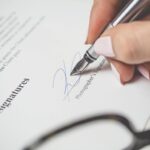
(64, 72)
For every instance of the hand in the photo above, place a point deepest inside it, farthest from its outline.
(128, 44)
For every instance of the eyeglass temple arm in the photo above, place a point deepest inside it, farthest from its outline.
(115, 117)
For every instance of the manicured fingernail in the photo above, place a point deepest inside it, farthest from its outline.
(144, 71)
(117, 74)
(103, 46)
(86, 42)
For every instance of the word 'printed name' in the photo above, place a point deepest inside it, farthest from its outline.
(90, 80)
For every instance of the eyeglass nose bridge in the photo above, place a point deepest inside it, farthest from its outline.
(140, 140)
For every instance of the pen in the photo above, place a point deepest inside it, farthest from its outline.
(129, 13)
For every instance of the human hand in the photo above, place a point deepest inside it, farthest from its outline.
(127, 46)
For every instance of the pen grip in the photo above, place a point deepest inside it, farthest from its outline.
(129, 13)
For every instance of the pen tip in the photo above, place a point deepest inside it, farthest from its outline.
(73, 73)
(79, 68)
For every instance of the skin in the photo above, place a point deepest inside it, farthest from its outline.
(131, 41)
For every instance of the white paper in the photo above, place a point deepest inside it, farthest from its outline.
(40, 42)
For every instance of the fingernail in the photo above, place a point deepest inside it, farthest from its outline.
(103, 46)
(144, 71)
(117, 74)
(86, 42)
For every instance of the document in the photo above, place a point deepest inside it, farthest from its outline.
(40, 43)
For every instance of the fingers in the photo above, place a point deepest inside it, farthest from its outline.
(128, 43)
(124, 43)
(126, 72)
(144, 69)
(102, 12)
(123, 72)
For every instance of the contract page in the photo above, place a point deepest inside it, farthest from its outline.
(40, 43)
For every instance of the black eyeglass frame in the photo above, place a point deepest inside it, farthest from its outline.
(140, 138)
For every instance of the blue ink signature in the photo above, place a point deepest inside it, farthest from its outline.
(68, 85)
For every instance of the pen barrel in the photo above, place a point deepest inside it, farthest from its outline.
(130, 11)
(91, 54)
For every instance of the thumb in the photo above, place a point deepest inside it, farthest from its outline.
(128, 43)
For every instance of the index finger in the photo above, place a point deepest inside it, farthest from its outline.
(102, 12)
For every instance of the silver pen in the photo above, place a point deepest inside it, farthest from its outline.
(129, 13)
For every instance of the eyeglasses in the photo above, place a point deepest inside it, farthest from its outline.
(138, 140)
